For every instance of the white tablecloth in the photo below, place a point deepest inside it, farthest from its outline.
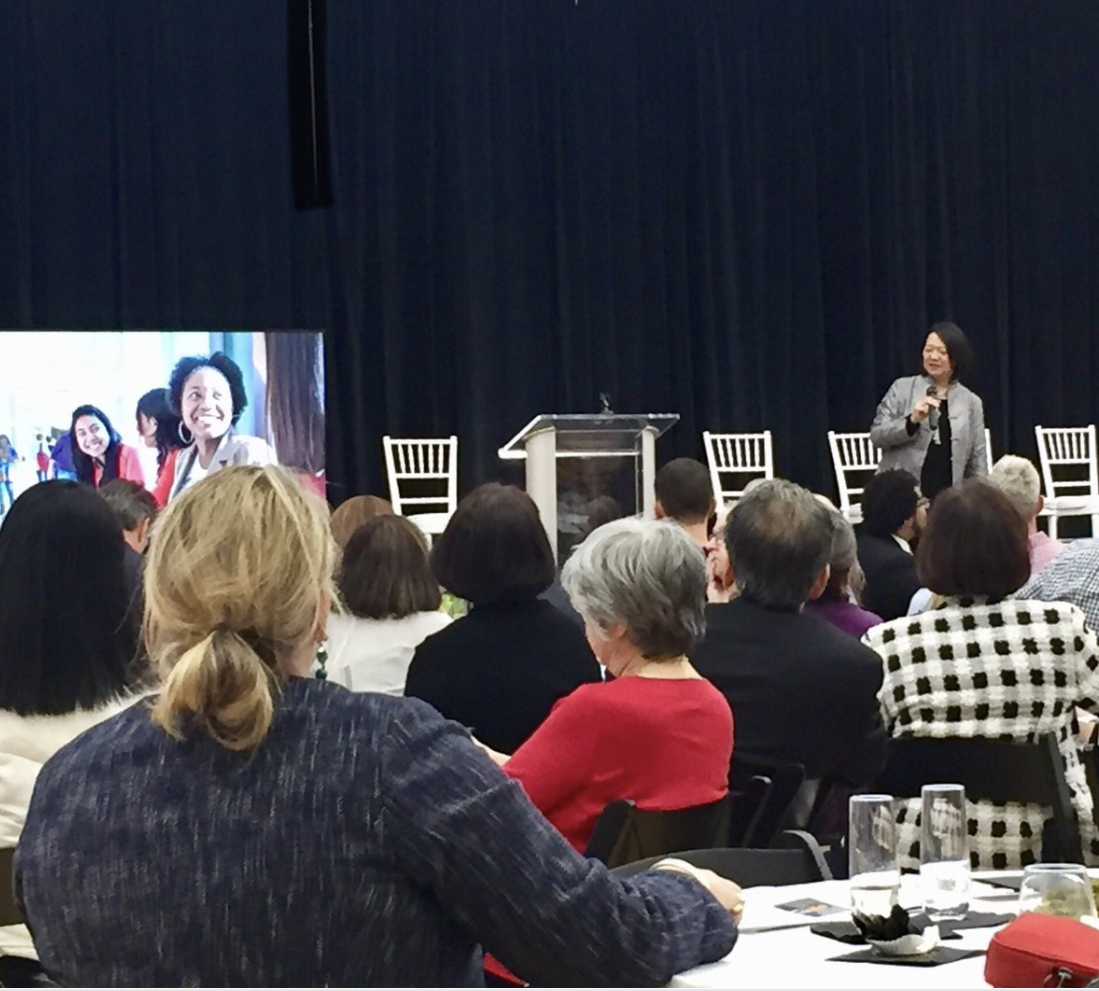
(792, 957)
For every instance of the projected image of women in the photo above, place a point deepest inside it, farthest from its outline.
(208, 395)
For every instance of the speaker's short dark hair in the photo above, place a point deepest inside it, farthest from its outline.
(494, 548)
(888, 499)
(384, 573)
(685, 490)
(958, 348)
(131, 503)
(974, 543)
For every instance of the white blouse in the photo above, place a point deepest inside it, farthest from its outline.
(373, 655)
(26, 743)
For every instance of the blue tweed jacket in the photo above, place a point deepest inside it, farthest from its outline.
(365, 842)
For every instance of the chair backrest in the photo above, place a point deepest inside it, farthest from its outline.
(739, 457)
(991, 769)
(624, 833)
(797, 859)
(852, 455)
(771, 814)
(9, 911)
(430, 465)
(1062, 453)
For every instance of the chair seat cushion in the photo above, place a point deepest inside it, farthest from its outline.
(430, 523)
(1072, 505)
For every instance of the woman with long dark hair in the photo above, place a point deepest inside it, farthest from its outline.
(160, 428)
(98, 453)
(70, 641)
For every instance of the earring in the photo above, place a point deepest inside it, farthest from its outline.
(186, 440)
(321, 673)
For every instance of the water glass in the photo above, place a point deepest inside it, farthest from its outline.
(1057, 889)
(944, 852)
(872, 855)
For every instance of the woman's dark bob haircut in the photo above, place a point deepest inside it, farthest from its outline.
(974, 543)
(958, 348)
(385, 574)
(219, 361)
(69, 638)
(494, 548)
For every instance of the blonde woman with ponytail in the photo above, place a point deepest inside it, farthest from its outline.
(253, 826)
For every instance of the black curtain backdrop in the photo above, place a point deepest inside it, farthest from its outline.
(745, 212)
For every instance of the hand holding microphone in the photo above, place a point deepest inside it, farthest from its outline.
(927, 408)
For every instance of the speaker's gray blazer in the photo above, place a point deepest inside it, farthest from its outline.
(903, 450)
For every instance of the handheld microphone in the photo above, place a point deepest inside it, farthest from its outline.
(933, 416)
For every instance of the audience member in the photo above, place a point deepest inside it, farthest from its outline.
(717, 559)
(983, 664)
(1072, 576)
(159, 427)
(893, 513)
(685, 495)
(1018, 480)
(68, 647)
(98, 454)
(352, 513)
(499, 669)
(839, 604)
(659, 734)
(800, 690)
(257, 827)
(134, 509)
(209, 396)
(392, 601)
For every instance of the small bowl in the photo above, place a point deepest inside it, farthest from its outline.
(908, 946)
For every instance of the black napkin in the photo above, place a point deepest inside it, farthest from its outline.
(848, 932)
(939, 955)
(973, 920)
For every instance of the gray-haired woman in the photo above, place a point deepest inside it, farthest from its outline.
(659, 734)
(840, 603)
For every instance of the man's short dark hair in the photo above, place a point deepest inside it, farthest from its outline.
(131, 503)
(685, 490)
(494, 548)
(888, 500)
(974, 543)
(384, 573)
(779, 538)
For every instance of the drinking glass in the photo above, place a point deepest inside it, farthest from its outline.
(1057, 889)
(944, 852)
(872, 855)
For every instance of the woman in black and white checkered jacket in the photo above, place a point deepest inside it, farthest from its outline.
(983, 664)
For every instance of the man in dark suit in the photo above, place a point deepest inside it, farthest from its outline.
(893, 513)
(801, 691)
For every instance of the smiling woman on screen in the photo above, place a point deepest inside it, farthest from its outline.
(208, 394)
(98, 453)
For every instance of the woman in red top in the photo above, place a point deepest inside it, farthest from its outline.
(99, 455)
(159, 428)
(659, 734)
